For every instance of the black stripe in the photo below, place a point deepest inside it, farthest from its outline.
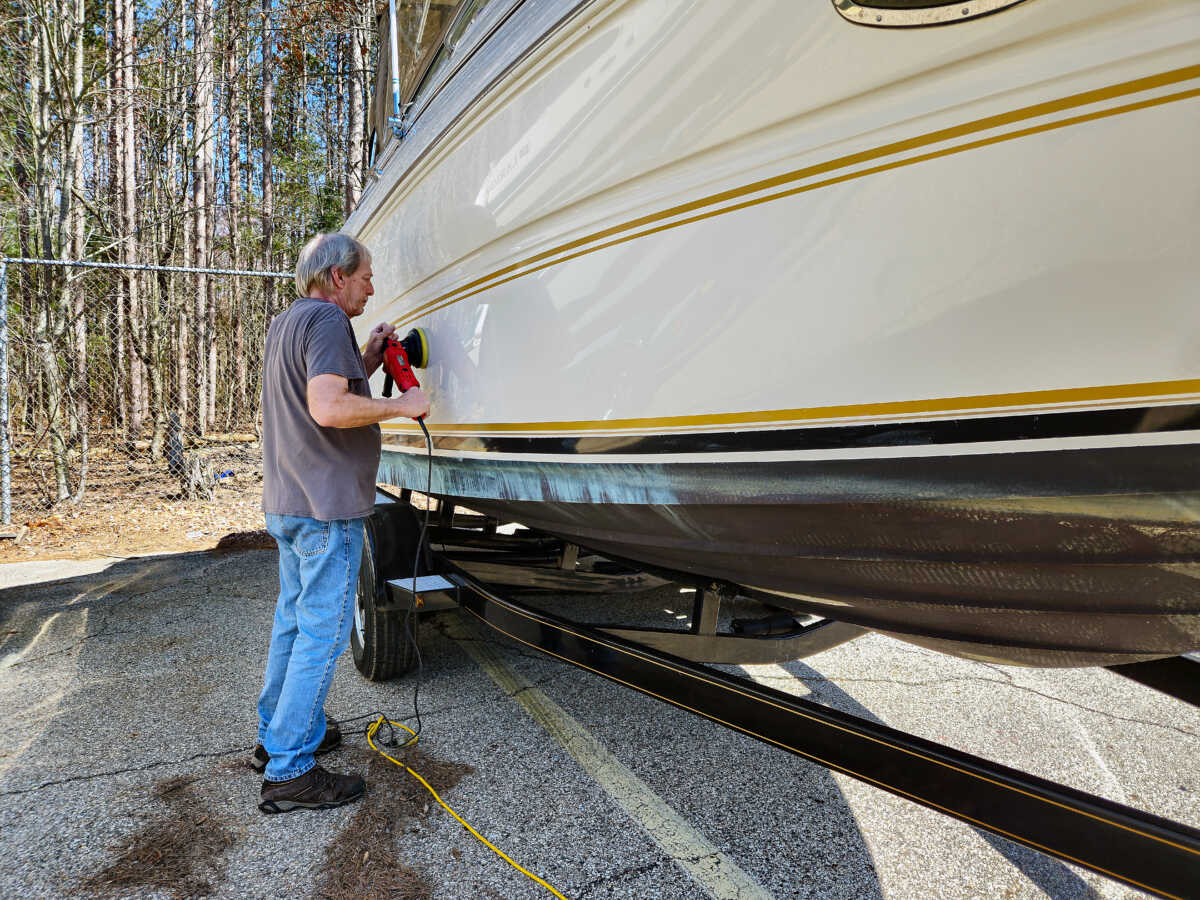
(1091, 423)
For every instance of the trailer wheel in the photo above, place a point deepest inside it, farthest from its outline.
(378, 641)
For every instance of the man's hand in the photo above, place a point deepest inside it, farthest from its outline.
(373, 353)
(415, 403)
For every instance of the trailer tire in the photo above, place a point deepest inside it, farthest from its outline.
(380, 643)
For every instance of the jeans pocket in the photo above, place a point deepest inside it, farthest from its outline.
(312, 539)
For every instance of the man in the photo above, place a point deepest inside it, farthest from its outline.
(320, 456)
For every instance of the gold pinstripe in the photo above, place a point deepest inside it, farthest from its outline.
(1063, 400)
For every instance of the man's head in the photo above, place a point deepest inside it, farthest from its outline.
(337, 268)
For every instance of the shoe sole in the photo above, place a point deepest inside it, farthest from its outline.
(320, 751)
(271, 807)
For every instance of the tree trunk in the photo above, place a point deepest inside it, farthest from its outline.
(367, 32)
(129, 217)
(210, 193)
(78, 309)
(210, 332)
(237, 305)
(153, 344)
(331, 118)
(52, 225)
(54, 403)
(268, 148)
(22, 178)
(354, 127)
(182, 323)
(201, 180)
(114, 100)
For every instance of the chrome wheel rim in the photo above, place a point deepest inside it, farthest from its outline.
(360, 617)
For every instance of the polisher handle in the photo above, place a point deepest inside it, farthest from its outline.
(396, 368)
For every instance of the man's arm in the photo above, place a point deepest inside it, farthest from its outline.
(332, 404)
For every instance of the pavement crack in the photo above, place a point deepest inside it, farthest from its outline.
(101, 632)
(632, 871)
(158, 763)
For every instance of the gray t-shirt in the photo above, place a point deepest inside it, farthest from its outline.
(310, 470)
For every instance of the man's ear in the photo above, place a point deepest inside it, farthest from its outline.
(336, 276)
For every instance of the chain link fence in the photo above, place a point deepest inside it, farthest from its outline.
(134, 393)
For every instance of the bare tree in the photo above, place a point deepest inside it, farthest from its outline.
(202, 124)
(354, 127)
(268, 153)
(233, 189)
(45, 104)
(77, 228)
(127, 79)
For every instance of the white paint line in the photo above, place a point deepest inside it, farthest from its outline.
(8, 760)
(105, 589)
(1118, 792)
(52, 702)
(29, 712)
(11, 659)
(711, 869)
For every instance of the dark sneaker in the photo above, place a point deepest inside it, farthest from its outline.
(315, 789)
(331, 741)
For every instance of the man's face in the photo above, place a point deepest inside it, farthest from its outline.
(357, 289)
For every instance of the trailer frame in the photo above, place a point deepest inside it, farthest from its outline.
(1125, 844)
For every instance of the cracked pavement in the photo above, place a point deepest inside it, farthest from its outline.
(117, 674)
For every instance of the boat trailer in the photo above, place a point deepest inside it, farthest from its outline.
(490, 574)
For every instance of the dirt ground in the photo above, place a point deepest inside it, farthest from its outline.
(133, 507)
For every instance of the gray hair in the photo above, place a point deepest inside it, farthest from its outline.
(322, 255)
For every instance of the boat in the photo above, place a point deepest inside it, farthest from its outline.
(887, 310)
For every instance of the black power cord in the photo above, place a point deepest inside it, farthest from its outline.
(370, 718)
(416, 565)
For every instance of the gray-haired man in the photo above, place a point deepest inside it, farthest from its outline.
(320, 455)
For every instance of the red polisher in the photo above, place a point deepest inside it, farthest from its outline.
(401, 357)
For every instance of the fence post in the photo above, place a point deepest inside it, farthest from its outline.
(5, 462)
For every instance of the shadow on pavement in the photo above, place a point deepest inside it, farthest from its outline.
(1048, 874)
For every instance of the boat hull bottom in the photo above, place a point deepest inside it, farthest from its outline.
(1078, 581)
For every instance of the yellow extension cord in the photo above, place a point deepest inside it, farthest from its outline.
(374, 727)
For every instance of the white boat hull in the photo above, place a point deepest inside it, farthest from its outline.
(671, 258)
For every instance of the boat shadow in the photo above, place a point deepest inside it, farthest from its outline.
(1049, 875)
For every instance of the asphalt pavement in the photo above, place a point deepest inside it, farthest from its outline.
(128, 690)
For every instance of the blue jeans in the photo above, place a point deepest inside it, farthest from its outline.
(318, 580)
